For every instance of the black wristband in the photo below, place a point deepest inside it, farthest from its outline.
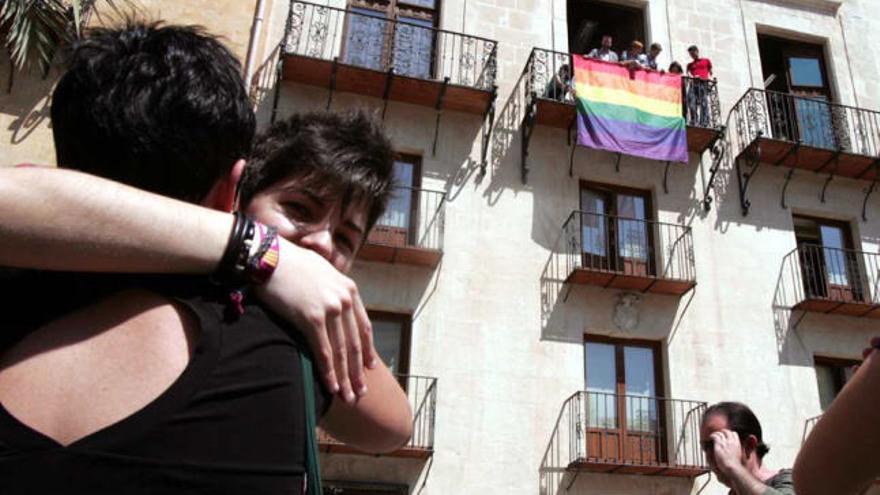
(233, 264)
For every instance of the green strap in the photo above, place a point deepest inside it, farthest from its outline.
(313, 467)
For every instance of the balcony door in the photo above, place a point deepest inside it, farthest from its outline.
(829, 266)
(624, 420)
(616, 235)
(375, 40)
(398, 226)
(831, 375)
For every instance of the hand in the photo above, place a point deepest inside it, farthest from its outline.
(326, 306)
(875, 345)
(727, 450)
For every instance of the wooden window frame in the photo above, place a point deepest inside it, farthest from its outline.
(839, 364)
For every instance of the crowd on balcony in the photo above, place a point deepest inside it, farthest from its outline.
(695, 87)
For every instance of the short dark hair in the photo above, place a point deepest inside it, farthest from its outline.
(162, 108)
(336, 155)
(693, 48)
(742, 421)
(656, 46)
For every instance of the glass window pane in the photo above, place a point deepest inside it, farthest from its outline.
(399, 209)
(428, 4)
(826, 380)
(835, 258)
(364, 39)
(601, 371)
(641, 405)
(593, 226)
(387, 336)
(413, 47)
(632, 236)
(805, 71)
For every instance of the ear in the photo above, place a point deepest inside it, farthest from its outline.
(222, 195)
(751, 445)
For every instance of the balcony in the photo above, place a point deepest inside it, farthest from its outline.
(831, 280)
(625, 253)
(422, 394)
(549, 101)
(410, 231)
(602, 432)
(802, 133)
(371, 55)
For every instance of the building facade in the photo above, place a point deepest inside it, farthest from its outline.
(561, 316)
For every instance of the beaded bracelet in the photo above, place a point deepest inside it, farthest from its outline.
(261, 265)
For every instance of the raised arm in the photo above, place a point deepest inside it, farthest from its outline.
(842, 453)
(56, 219)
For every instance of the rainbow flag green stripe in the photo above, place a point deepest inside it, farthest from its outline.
(632, 111)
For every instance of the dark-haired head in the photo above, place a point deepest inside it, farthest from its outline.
(742, 421)
(316, 162)
(162, 108)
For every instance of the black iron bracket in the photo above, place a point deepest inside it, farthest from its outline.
(833, 160)
(333, 70)
(752, 156)
(279, 71)
(526, 129)
(666, 177)
(487, 130)
(572, 143)
(389, 78)
(788, 153)
(717, 150)
(617, 162)
(439, 107)
(870, 190)
(788, 177)
(868, 168)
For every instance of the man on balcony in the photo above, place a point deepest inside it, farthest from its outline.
(700, 69)
(730, 436)
(604, 53)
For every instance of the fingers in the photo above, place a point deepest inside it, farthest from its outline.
(323, 354)
(355, 352)
(336, 333)
(370, 356)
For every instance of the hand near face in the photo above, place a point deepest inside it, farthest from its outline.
(727, 450)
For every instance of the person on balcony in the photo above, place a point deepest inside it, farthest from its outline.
(635, 57)
(675, 68)
(731, 438)
(653, 53)
(559, 87)
(841, 454)
(700, 69)
(604, 52)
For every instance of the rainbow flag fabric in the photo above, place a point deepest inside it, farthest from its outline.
(635, 112)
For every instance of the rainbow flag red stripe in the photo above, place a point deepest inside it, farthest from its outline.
(633, 112)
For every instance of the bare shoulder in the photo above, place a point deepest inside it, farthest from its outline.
(97, 365)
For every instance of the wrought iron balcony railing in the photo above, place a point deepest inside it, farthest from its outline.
(549, 76)
(626, 253)
(363, 38)
(605, 432)
(422, 394)
(809, 424)
(831, 280)
(414, 217)
(810, 121)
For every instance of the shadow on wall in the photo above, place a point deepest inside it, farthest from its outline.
(395, 287)
(25, 96)
(503, 167)
(377, 471)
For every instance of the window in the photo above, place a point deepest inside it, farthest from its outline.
(351, 488)
(398, 225)
(373, 41)
(391, 337)
(829, 267)
(616, 235)
(831, 375)
(622, 412)
(798, 104)
(589, 20)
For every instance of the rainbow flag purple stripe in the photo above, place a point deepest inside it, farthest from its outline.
(632, 112)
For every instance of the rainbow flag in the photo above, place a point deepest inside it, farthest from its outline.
(635, 112)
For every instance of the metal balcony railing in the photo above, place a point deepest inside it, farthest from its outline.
(648, 435)
(809, 121)
(422, 394)
(627, 246)
(414, 217)
(549, 76)
(841, 276)
(364, 38)
(809, 424)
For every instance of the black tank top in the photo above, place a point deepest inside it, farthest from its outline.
(233, 422)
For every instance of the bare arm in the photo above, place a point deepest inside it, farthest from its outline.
(842, 453)
(379, 422)
(56, 219)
